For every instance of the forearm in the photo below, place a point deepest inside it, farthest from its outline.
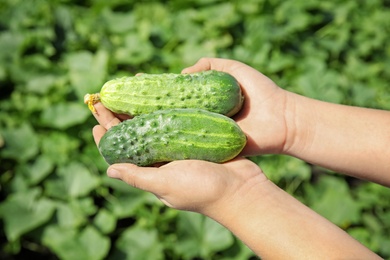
(347, 139)
(277, 226)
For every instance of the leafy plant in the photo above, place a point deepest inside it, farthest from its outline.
(56, 201)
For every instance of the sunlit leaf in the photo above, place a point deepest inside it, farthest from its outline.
(216, 237)
(70, 215)
(64, 115)
(201, 236)
(24, 211)
(138, 243)
(71, 181)
(135, 50)
(41, 168)
(125, 204)
(20, 143)
(59, 147)
(105, 221)
(63, 242)
(334, 201)
(41, 84)
(119, 22)
(9, 44)
(94, 243)
(290, 171)
(87, 71)
(70, 243)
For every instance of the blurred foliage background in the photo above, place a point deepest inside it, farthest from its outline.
(56, 200)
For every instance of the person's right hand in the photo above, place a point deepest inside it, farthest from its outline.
(262, 117)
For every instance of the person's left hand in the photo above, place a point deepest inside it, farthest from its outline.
(193, 185)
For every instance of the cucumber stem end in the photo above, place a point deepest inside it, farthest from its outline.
(90, 100)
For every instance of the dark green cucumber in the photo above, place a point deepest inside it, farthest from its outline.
(174, 134)
(211, 90)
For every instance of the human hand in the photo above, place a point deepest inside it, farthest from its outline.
(262, 117)
(193, 185)
(238, 195)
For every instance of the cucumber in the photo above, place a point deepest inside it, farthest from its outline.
(210, 90)
(173, 134)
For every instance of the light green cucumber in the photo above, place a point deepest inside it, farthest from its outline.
(174, 134)
(210, 90)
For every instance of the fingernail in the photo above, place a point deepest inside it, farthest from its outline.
(113, 172)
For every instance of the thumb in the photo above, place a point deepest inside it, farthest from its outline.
(144, 178)
(200, 65)
(220, 64)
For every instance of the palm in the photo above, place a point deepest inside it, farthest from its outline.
(186, 184)
(192, 184)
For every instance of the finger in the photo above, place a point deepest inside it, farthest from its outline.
(105, 117)
(202, 64)
(241, 163)
(122, 117)
(242, 72)
(98, 131)
(212, 64)
(145, 178)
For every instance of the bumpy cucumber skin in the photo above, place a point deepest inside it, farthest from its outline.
(210, 90)
(174, 134)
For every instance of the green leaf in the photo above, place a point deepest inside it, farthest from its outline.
(95, 244)
(125, 204)
(30, 174)
(332, 199)
(1, 141)
(24, 211)
(78, 179)
(200, 236)
(289, 172)
(216, 237)
(20, 143)
(138, 243)
(41, 84)
(368, 194)
(70, 214)
(281, 167)
(308, 82)
(59, 147)
(72, 244)
(65, 115)
(87, 71)
(105, 221)
(63, 241)
(10, 43)
(238, 251)
(119, 22)
(72, 181)
(135, 50)
(40, 169)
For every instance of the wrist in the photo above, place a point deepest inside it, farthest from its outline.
(250, 215)
(233, 208)
(300, 121)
